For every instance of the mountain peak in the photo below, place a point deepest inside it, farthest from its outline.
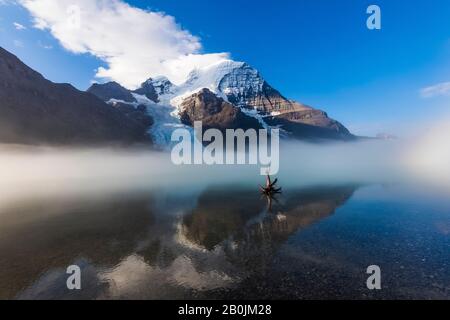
(210, 76)
(111, 90)
(148, 90)
(161, 84)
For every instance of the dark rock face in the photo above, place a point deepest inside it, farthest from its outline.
(301, 131)
(138, 114)
(215, 113)
(311, 124)
(111, 90)
(147, 89)
(34, 110)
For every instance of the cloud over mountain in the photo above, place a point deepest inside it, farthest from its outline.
(134, 43)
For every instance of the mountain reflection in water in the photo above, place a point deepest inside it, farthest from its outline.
(223, 242)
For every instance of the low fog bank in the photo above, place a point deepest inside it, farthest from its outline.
(428, 156)
(37, 171)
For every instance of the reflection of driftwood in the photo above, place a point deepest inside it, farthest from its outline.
(270, 200)
(270, 189)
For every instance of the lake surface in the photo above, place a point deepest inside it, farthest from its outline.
(228, 242)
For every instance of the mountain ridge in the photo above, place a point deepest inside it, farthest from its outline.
(243, 87)
(34, 110)
(227, 94)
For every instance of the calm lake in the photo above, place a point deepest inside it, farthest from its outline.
(226, 241)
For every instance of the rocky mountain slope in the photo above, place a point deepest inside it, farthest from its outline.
(214, 112)
(111, 91)
(34, 110)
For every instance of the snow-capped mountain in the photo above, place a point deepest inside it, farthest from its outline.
(238, 84)
(211, 78)
(163, 86)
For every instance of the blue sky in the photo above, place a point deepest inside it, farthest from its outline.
(318, 52)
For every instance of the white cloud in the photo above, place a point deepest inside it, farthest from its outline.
(134, 43)
(18, 43)
(440, 89)
(19, 26)
(44, 46)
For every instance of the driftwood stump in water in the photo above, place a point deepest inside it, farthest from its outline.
(270, 189)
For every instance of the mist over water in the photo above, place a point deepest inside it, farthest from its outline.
(429, 156)
(88, 170)
(35, 171)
